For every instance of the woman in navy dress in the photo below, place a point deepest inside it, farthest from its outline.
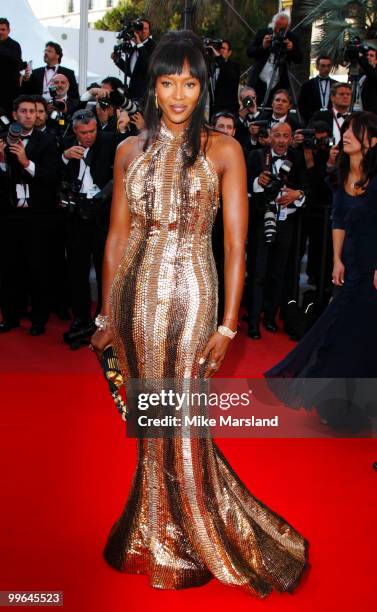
(343, 342)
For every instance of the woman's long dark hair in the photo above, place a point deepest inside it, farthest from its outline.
(169, 57)
(362, 124)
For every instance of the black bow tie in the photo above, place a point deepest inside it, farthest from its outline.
(275, 157)
(323, 78)
(273, 120)
(25, 137)
(341, 115)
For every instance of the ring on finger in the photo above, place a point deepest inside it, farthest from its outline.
(213, 365)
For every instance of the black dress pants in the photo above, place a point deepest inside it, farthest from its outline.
(25, 247)
(267, 268)
(85, 242)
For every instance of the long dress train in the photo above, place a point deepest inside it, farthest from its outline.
(188, 517)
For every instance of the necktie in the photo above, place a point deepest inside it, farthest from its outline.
(341, 115)
(275, 157)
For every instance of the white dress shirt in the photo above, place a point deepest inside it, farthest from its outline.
(257, 188)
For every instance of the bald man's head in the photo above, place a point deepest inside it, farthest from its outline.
(61, 83)
(280, 137)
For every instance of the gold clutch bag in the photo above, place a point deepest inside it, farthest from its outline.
(114, 378)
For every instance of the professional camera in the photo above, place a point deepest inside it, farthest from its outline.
(216, 43)
(10, 132)
(114, 98)
(263, 125)
(70, 196)
(59, 105)
(271, 192)
(278, 46)
(311, 142)
(126, 35)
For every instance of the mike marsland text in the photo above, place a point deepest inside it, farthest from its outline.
(202, 421)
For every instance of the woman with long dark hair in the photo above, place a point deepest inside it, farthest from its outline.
(188, 517)
(343, 342)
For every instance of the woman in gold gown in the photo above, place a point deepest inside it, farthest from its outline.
(188, 517)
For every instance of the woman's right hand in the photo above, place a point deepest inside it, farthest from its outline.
(338, 273)
(100, 340)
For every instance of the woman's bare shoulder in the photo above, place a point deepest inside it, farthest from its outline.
(222, 149)
(130, 148)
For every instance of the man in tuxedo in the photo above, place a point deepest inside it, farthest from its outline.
(267, 263)
(266, 50)
(281, 110)
(368, 82)
(224, 80)
(315, 93)
(28, 179)
(135, 66)
(87, 159)
(341, 98)
(10, 66)
(40, 79)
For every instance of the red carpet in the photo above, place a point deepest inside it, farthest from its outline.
(66, 467)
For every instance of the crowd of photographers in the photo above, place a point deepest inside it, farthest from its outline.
(57, 151)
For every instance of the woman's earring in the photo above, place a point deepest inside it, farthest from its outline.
(156, 100)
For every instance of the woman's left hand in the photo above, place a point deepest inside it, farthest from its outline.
(375, 279)
(214, 351)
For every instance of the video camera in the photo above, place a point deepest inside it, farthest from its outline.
(126, 35)
(311, 142)
(353, 49)
(272, 209)
(209, 43)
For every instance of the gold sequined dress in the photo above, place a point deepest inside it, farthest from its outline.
(188, 518)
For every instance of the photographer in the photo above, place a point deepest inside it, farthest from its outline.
(10, 66)
(60, 96)
(246, 134)
(273, 44)
(316, 145)
(28, 176)
(341, 98)
(87, 164)
(271, 235)
(315, 93)
(225, 76)
(368, 82)
(39, 80)
(138, 48)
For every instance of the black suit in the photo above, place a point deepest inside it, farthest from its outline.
(309, 101)
(291, 119)
(261, 55)
(27, 232)
(267, 264)
(226, 86)
(369, 86)
(34, 85)
(10, 66)
(86, 238)
(137, 87)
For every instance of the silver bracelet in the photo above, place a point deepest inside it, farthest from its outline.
(225, 331)
(102, 322)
